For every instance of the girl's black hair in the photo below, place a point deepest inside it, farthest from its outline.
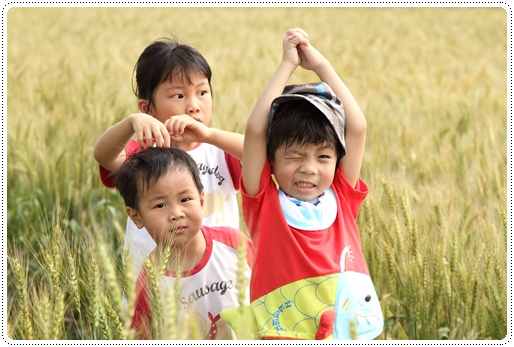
(301, 122)
(143, 169)
(163, 60)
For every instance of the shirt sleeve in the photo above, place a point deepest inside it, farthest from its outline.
(353, 196)
(252, 205)
(232, 238)
(107, 177)
(234, 167)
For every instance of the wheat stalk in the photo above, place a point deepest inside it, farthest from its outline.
(73, 281)
(111, 280)
(42, 314)
(57, 314)
(23, 299)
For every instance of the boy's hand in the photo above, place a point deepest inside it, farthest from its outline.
(294, 38)
(310, 58)
(148, 128)
(184, 128)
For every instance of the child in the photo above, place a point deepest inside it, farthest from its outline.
(162, 192)
(173, 87)
(309, 279)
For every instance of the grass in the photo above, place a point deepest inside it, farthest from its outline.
(432, 85)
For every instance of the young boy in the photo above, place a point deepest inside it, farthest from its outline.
(162, 192)
(173, 87)
(309, 279)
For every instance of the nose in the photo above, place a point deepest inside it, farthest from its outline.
(308, 167)
(192, 106)
(175, 213)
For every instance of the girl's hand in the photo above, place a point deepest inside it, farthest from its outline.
(184, 128)
(149, 129)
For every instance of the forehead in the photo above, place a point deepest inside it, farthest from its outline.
(172, 181)
(297, 147)
(191, 77)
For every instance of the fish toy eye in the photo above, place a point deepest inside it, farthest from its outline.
(365, 299)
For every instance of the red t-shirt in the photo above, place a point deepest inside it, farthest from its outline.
(284, 254)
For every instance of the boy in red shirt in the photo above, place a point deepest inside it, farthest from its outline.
(309, 279)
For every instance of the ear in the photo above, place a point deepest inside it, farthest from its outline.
(132, 213)
(143, 105)
(202, 198)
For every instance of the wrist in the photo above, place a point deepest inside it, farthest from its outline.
(288, 66)
(323, 67)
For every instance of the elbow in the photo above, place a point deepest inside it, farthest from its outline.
(360, 126)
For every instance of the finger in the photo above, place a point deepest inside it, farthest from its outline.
(148, 137)
(166, 134)
(140, 136)
(159, 139)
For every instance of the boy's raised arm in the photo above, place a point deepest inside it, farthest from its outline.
(254, 149)
(355, 132)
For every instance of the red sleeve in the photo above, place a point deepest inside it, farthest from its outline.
(141, 318)
(354, 196)
(107, 177)
(234, 167)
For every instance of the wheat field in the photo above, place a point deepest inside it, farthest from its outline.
(432, 83)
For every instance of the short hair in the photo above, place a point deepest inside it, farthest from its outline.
(299, 121)
(143, 169)
(162, 60)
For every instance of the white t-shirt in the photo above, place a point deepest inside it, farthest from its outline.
(206, 289)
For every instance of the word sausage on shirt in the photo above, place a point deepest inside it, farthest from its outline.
(220, 287)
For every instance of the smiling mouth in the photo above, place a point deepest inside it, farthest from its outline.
(305, 185)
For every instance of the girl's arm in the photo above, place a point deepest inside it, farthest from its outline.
(230, 142)
(183, 128)
(109, 149)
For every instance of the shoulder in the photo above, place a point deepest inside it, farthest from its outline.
(226, 235)
(359, 190)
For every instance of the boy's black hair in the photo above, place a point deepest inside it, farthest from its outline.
(143, 169)
(163, 60)
(299, 121)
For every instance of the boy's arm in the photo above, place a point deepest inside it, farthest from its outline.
(254, 149)
(355, 132)
(109, 149)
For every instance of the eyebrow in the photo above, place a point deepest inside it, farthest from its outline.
(162, 196)
(182, 85)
